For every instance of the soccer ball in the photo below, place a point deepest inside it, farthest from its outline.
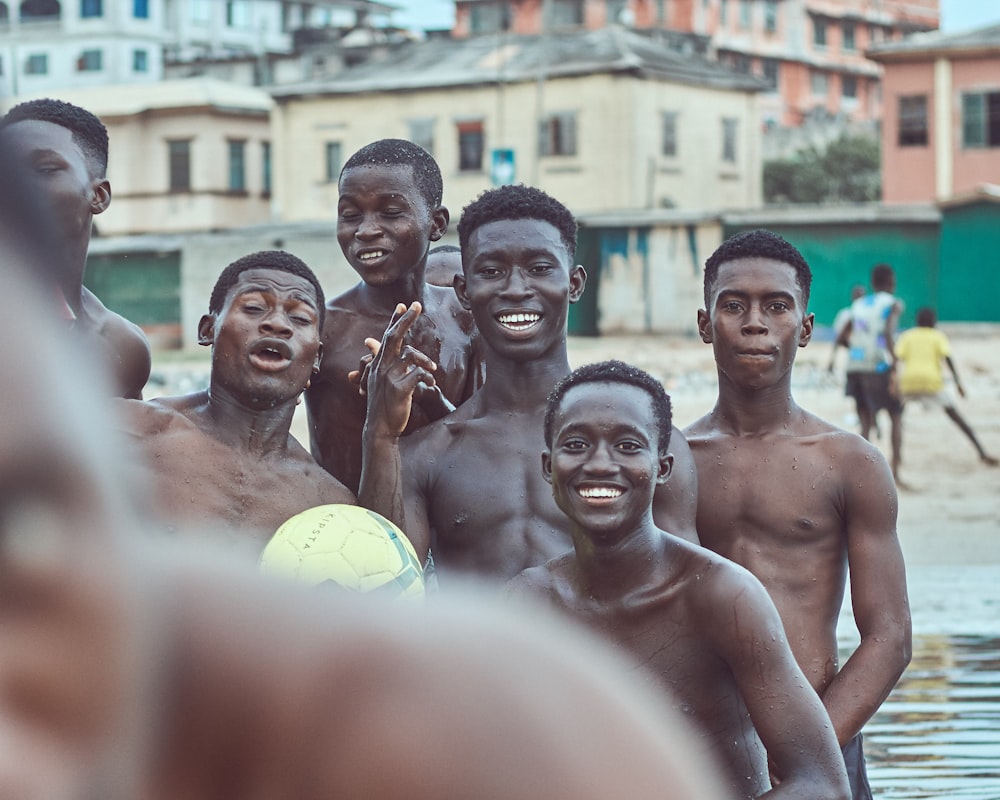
(346, 545)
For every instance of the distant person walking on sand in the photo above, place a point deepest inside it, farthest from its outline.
(869, 338)
(840, 323)
(921, 352)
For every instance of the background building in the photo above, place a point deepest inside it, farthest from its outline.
(53, 44)
(941, 133)
(607, 120)
(811, 53)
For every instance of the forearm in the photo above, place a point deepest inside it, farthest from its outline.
(381, 487)
(861, 686)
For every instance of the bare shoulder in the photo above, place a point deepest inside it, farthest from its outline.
(146, 418)
(720, 589)
(126, 341)
(702, 428)
(431, 440)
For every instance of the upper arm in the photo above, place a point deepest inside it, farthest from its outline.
(416, 516)
(875, 558)
(131, 348)
(788, 715)
(675, 503)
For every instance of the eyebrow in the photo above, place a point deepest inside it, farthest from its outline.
(619, 428)
(298, 294)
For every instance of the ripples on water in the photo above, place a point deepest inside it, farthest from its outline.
(938, 734)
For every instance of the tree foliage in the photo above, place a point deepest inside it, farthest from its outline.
(846, 171)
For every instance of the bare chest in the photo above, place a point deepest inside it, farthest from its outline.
(491, 511)
(206, 487)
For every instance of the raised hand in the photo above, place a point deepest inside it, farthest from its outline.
(397, 370)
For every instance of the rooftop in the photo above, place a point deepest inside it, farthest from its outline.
(440, 63)
(975, 42)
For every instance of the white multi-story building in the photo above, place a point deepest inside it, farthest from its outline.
(53, 44)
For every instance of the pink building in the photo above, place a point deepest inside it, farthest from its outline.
(941, 128)
(810, 52)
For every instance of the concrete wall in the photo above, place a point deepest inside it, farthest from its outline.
(908, 174)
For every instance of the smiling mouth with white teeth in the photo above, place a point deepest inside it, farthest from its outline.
(371, 256)
(600, 492)
(519, 322)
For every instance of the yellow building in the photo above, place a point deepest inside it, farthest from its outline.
(608, 120)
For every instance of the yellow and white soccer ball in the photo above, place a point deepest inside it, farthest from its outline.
(346, 545)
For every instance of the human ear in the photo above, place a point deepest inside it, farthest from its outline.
(547, 465)
(664, 468)
(460, 287)
(206, 330)
(704, 326)
(440, 217)
(100, 196)
(577, 283)
(805, 334)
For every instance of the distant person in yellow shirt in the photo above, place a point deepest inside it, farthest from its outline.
(921, 351)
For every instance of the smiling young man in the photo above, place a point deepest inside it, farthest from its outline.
(61, 154)
(466, 487)
(794, 499)
(222, 461)
(388, 214)
(699, 625)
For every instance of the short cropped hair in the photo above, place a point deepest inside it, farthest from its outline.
(403, 153)
(444, 248)
(517, 201)
(883, 276)
(88, 131)
(926, 317)
(615, 371)
(758, 243)
(265, 259)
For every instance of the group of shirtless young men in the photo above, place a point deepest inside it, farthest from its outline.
(454, 412)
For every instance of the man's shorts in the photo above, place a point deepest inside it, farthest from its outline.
(943, 399)
(870, 391)
(857, 773)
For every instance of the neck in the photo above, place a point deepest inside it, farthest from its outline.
(385, 297)
(743, 411)
(253, 430)
(513, 385)
(610, 570)
(68, 275)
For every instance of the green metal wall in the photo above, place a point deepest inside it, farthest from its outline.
(970, 263)
(143, 287)
(842, 255)
(583, 314)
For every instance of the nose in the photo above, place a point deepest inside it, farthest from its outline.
(755, 321)
(368, 227)
(517, 285)
(600, 461)
(276, 324)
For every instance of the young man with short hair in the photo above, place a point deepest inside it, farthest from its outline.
(388, 214)
(61, 153)
(797, 501)
(222, 462)
(466, 487)
(702, 627)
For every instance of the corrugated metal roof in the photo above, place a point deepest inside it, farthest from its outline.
(443, 63)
